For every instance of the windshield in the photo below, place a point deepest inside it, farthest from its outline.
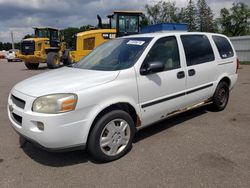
(46, 33)
(41, 33)
(116, 54)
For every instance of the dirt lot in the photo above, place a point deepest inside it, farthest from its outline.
(199, 148)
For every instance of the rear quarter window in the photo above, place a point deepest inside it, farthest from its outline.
(224, 47)
(197, 49)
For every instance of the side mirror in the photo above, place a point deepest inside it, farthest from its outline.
(152, 67)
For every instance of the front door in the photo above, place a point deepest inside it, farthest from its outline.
(162, 93)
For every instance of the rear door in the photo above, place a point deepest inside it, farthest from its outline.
(201, 67)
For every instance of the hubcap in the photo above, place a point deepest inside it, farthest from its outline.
(222, 96)
(56, 60)
(115, 137)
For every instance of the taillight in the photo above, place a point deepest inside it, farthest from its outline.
(238, 65)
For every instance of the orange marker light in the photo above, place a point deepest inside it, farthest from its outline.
(68, 105)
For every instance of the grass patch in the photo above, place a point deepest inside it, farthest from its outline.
(245, 62)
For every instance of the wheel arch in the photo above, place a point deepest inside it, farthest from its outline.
(225, 79)
(125, 106)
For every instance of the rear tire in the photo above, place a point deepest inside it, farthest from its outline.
(221, 96)
(31, 66)
(66, 58)
(53, 60)
(111, 136)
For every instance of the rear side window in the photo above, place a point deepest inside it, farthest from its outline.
(197, 49)
(223, 46)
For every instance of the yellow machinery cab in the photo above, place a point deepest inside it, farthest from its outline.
(121, 23)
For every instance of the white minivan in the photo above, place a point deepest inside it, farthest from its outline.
(120, 87)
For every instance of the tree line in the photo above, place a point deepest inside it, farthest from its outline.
(234, 21)
(198, 16)
(8, 45)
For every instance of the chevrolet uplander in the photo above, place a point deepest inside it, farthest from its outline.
(122, 86)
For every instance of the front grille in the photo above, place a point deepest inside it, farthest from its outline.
(18, 119)
(18, 102)
(27, 47)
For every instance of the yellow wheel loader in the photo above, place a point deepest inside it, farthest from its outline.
(121, 23)
(45, 47)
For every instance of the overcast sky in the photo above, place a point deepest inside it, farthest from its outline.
(20, 16)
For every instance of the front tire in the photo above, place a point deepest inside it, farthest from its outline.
(221, 96)
(112, 136)
(31, 66)
(53, 60)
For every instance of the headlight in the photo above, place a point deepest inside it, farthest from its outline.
(55, 103)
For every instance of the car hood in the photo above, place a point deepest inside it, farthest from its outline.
(64, 80)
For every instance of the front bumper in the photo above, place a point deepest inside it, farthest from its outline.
(61, 131)
(38, 57)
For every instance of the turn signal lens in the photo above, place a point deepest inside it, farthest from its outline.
(68, 105)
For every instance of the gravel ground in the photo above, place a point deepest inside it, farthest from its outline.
(199, 148)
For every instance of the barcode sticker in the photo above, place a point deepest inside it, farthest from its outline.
(136, 42)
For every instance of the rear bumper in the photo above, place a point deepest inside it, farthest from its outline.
(233, 79)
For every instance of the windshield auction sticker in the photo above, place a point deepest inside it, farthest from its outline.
(136, 42)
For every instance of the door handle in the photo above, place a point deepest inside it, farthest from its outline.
(180, 74)
(191, 72)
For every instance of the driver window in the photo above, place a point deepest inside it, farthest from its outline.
(132, 24)
(165, 50)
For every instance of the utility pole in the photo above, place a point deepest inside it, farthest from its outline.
(12, 39)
